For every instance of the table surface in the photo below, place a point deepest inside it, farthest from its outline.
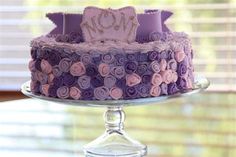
(201, 125)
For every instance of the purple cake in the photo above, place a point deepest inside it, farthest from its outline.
(107, 54)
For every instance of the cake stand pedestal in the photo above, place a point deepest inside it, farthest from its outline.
(115, 142)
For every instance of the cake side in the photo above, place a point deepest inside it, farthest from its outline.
(63, 66)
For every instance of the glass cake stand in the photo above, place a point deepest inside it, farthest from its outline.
(115, 142)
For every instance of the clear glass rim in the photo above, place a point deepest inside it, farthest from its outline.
(201, 83)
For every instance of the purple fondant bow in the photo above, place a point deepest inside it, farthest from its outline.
(150, 21)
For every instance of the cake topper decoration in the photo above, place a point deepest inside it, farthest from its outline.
(109, 24)
(108, 19)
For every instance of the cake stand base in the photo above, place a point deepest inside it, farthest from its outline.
(115, 142)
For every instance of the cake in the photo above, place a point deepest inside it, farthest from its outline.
(111, 54)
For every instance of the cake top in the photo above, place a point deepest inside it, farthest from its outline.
(124, 24)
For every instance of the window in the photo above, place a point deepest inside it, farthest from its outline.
(212, 28)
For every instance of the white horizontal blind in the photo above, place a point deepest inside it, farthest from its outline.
(214, 38)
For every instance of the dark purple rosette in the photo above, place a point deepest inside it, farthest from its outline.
(108, 58)
(91, 70)
(33, 53)
(86, 58)
(171, 54)
(56, 71)
(155, 66)
(120, 59)
(35, 87)
(164, 89)
(64, 64)
(52, 91)
(101, 93)
(63, 92)
(121, 83)
(142, 57)
(172, 64)
(172, 88)
(87, 94)
(58, 81)
(142, 68)
(84, 82)
(131, 66)
(97, 81)
(152, 55)
(118, 71)
(74, 57)
(54, 58)
(181, 83)
(143, 90)
(131, 56)
(182, 68)
(69, 80)
(97, 58)
(164, 55)
(146, 78)
(38, 65)
(109, 81)
(62, 38)
(131, 93)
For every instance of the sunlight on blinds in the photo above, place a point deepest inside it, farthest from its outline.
(212, 28)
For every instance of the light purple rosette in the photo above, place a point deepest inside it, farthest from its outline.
(101, 93)
(172, 64)
(64, 64)
(34, 86)
(63, 92)
(31, 65)
(86, 58)
(84, 82)
(75, 93)
(109, 81)
(155, 66)
(118, 71)
(143, 90)
(56, 71)
(41, 77)
(108, 58)
(77, 69)
(164, 89)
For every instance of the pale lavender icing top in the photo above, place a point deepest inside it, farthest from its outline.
(174, 41)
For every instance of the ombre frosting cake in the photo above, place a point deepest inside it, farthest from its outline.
(111, 54)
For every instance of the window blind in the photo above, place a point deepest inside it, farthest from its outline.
(212, 28)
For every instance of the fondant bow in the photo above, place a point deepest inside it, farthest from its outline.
(150, 21)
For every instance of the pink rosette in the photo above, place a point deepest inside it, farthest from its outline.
(75, 93)
(109, 81)
(155, 91)
(56, 71)
(132, 79)
(50, 78)
(163, 65)
(104, 69)
(84, 81)
(155, 66)
(63, 92)
(86, 58)
(179, 56)
(156, 79)
(45, 88)
(31, 65)
(189, 83)
(64, 64)
(77, 69)
(116, 93)
(167, 76)
(172, 64)
(45, 66)
(101, 93)
(174, 76)
(118, 71)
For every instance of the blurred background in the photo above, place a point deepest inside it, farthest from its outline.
(202, 125)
